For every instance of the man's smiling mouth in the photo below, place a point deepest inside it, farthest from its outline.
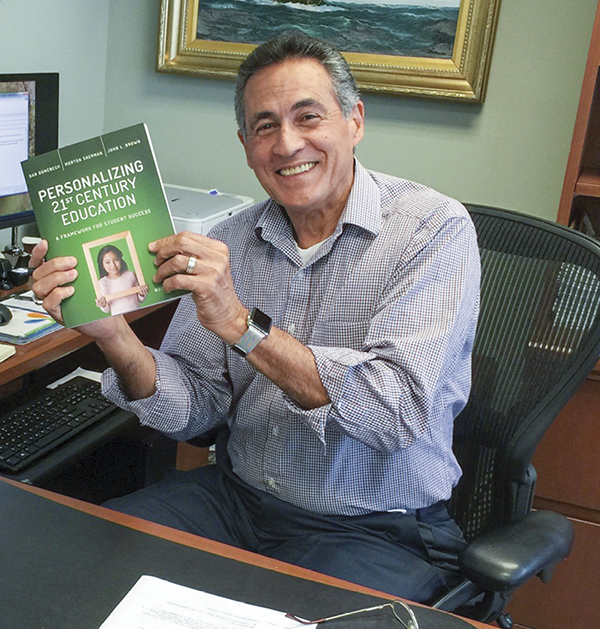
(287, 172)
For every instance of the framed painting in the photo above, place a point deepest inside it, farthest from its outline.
(432, 48)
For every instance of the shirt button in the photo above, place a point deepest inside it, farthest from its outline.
(292, 329)
(275, 430)
(271, 481)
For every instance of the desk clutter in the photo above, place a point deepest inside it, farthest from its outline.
(26, 320)
(154, 603)
(14, 270)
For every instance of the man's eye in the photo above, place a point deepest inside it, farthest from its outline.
(309, 119)
(264, 128)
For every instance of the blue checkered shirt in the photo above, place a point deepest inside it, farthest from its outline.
(388, 306)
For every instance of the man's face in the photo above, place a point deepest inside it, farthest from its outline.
(297, 141)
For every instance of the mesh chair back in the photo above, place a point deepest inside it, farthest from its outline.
(538, 338)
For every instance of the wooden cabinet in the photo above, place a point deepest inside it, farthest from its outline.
(580, 199)
(568, 458)
(568, 466)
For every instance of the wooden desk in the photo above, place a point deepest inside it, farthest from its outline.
(68, 564)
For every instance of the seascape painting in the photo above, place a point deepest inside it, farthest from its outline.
(431, 48)
(421, 28)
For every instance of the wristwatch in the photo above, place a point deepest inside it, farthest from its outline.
(259, 326)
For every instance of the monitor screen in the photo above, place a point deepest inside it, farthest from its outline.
(28, 126)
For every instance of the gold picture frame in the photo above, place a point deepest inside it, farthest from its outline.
(131, 250)
(463, 76)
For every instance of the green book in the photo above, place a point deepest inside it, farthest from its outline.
(102, 201)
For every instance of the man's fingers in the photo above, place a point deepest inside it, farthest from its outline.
(166, 248)
(49, 278)
(55, 265)
(52, 302)
(185, 244)
(45, 283)
(180, 281)
(173, 266)
(38, 254)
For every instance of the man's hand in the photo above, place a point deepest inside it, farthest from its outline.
(199, 264)
(49, 278)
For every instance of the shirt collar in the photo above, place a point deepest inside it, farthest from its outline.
(363, 209)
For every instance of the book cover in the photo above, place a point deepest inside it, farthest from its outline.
(103, 201)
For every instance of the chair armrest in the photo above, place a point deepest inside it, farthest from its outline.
(505, 558)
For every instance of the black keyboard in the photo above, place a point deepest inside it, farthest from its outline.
(44, 423)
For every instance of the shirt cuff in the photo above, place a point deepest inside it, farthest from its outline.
(165, 410)
(333, 365)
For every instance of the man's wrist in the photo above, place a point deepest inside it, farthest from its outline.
(110, 337)
(241, 326)
(258, 327)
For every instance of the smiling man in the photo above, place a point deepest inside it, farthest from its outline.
(329, 328)
(300, 144)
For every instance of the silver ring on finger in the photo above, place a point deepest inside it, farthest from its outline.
(189, 269)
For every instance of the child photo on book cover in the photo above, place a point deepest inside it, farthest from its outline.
(118, 289)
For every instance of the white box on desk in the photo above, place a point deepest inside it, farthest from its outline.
(197, 210)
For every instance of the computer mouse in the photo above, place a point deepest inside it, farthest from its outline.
(5, 314)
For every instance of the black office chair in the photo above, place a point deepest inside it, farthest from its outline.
(538, 338)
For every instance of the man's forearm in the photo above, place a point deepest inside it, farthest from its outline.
(292, 367)
(132, 362)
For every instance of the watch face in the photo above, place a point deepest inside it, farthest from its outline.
(260, 319)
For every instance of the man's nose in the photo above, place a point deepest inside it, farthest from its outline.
(289, 140)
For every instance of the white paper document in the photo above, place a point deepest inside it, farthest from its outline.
(153, 603)
(96, 376)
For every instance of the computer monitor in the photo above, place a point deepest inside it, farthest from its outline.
(28, 126)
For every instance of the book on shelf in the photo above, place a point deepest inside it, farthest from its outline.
(102, 201)
(589, 223)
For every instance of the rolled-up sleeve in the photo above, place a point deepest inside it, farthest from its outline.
(193, 392)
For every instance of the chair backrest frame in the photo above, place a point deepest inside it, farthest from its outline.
(538, 339)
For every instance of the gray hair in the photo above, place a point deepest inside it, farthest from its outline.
(297, 45)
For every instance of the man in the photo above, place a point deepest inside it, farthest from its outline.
(339, 457)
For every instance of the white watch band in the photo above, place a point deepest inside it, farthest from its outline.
(255, 334)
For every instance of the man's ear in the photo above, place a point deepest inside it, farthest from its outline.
(358, 117)
(243, 141)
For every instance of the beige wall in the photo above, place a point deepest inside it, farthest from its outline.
(65, 36)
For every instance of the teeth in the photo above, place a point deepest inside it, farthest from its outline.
(286, 172)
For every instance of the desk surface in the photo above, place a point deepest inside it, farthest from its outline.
(47, 349)
(68, 564)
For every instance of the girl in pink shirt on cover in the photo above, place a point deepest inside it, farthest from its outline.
(115, 277)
